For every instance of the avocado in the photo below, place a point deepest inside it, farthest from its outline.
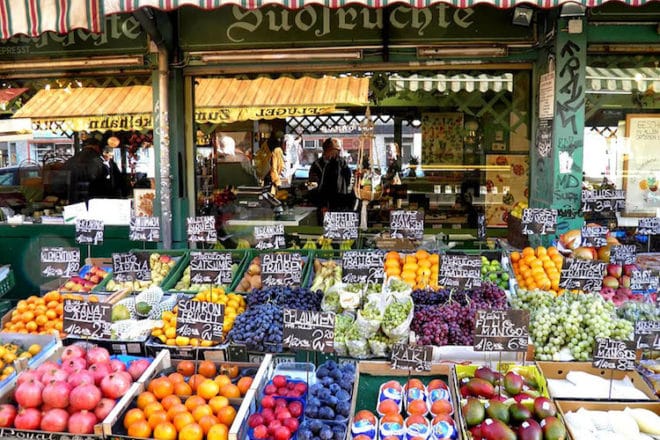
(143, 308)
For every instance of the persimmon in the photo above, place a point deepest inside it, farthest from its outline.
(244, 384)
(139, 428)
(157, 417)
(165, 431)
(182, 419)
(191, 432)
(227, 415)
(230, 391)
(195, 380)
(187, 368)
(207, 369)
(209, 389)
(201, 411)
(206, 422)
(182, 389)
(169, 401)
(152, 408)
(193, 402)
(132, 416)
(176, 409)
(218, 432)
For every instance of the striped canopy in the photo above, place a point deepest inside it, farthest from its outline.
(613, 80)
(453, 83)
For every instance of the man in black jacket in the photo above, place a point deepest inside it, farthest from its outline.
(87, 176)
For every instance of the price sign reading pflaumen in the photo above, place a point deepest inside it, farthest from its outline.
(201, 229)
(340, 225)
(131, 266)
(612, 354)
(594, 236)
(281, 269)
(647, 335)
(89, 231)
(364, 267)
(87, 319)
(407, 224)
(460, 271)
(61, 262)
(585, 275)
(144, 229)
(603, 200)
(649, 226)
(412, 357)
(643, 281)
(210, 268)
(200, 319)
(539, 221)
(623, 254)
(501, 330)
(308, 330)
(269, 237)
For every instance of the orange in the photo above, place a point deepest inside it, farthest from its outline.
(222, 380)
(195, 380)
(139, 428)
(388, 406)
(229, 391)
(144, 398)
(227, 415)
(162, 387)
(187, 368)
(169, 401)
(133, 415)
(417, 407)
(230, 370)
(207, 369)
(158, 417)
(176, 378)
(176, 409)
(191, 432)
(193, 402)
(152, 408)
(244, 384)
(201, 411)
(392, 255)
(207, 422)
(514, 256)
(217, 403)
(218, 432)
(410, 259)
(182, 389)
(165, 431)
(209, 388)
(182, 419)
(528, 251)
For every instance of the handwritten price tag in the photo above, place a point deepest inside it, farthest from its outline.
(340, 225)
(144, 229)
(87, 319)
(501, 330)
(308, 330)
(539, 221)
(407, 224)
(89, 231)
(210, 268)
(281, 269)
(460, 271)
(201, 229)
(364, 267)
(200, 319)
(412, 357)
(612, 354)
(61, 262)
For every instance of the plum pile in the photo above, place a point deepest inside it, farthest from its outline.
(259, 328)
(291, 298)
(330, 397)
(317, 429)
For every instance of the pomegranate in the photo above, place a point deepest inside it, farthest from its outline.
(115, 385)
(7, 415)
(117, 365)
(100, 371)
(82, 422)
(73, 351)
(48, 365)
(56, 394)
(137, 368)
(103, 408)
(28, 375)
(28, 418)
(54, 375)
(80, 377)
(28, 394)
(97, 355)
(84, 396)
(74, 364)
(55, 420)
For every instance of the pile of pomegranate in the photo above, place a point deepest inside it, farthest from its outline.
(72, 396)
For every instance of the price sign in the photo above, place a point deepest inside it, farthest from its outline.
(643, 281)
(269, 237)
(412, 357)
(647, 335)
(539, 221)
(87, 319)
(308, 330)
(201, 229)
(61, 262)
(623, 254)
(340, 225)
(131, 266)
(594, 236)
(89, 231)
(501, 330)
(407, 224)
(649, 226)
(603, 200)
(585, 275)
(210, 268)
(366, 267)
(281, 269)
(200, 319)
(460, 271)
(144, 229)
(612, 354)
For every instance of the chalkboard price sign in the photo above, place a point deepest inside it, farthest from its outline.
(623, 254)
(144, 229)
(201, 229)
(501, 330)
(364, 267)
(61, 262)
(308, 330)
(586, 275)
(603, 200)
(281, 269)
(407, 224)
(87, 319)
(460, 271)
(210, 268)
(539, 221)
(131, 266)
(340, 225)
(200, 319)
(594, 236)
(647, 335)
(89, 231)
(612, 354)
(649, 226)
(269, 237)
(412, 357)
(643, 281)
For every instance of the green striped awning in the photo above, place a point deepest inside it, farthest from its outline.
(613, 80)
(452, 83)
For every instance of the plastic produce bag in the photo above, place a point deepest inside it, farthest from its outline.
(370, 317)
(379, 344)
(343, 323)
(330, 301)
(350, 296)
(357, 346)
(397, 288)
(398, 315)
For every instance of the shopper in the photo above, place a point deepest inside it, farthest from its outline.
(330, 180)
(86, 172)
(112, 177)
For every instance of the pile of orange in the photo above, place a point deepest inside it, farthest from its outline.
(538, 268)
(41, 315)
(190, 404)
(419, 270)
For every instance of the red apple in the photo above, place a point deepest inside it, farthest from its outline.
(614, 270)
(628, 269)
(610, 281)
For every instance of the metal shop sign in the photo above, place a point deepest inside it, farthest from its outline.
(234, 114)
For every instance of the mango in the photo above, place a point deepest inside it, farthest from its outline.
(473, 412)
(518, 413)
(486, 374)
(543, 407)
(480, 387)
(530, 430)
(553, 429)
(513, 383)
(496, 430)
(497, 410)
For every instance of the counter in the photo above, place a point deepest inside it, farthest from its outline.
(296, 216)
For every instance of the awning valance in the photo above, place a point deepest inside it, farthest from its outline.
(613, 80)
(8, 95)
(453, 83)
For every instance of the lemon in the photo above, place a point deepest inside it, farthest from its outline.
(34, 349)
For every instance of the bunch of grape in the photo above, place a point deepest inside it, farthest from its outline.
(259, 328)
(430, 326)
(429, 297)
(571, 322)
(396, 314)
(291, 298)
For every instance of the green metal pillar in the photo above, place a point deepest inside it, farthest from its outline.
(178, 159)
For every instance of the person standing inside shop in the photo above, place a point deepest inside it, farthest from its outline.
(330, 180)
(112, 178)
(86, 171)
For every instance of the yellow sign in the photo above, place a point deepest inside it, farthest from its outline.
(234, 114)
(97, 123)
